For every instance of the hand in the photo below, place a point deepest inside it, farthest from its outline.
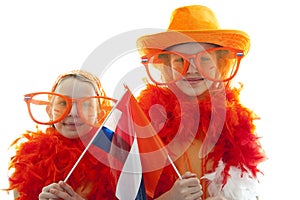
(46, 194)
(58, 191)
(186, 188)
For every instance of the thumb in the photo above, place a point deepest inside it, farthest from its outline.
(188, 175)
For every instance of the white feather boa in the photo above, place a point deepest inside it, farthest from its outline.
(239, 186)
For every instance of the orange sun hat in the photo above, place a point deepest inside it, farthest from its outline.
(194, 23)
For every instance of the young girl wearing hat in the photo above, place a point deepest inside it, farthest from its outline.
(209, 134)
(74, 109)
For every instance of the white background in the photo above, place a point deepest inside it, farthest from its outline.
(41, 39)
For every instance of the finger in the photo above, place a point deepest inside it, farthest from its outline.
(52, 185)
(193, 182)
(47, 195)
(195, 196)
(195, 188)
(188, 174)
(58, 187)
(67, 188)
(47, 188)
(61, 194)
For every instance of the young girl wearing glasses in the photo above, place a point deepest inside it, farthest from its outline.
(208, 133)
(74, 109)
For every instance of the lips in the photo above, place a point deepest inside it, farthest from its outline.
(73, 123)
(194, 80)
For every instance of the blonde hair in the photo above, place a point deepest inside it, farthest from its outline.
(84, 75)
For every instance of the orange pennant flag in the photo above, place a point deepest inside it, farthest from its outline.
(153, 152)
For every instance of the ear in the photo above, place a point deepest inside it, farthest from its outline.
(101, 116)
(48, 110)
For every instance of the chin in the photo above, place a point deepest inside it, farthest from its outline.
(75, 133)
(71, 135)
(192, 91)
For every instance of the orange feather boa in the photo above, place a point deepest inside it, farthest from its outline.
(237, 145)
(44, 158)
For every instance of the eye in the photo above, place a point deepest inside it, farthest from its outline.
(205, 58)
(59, 102)
(176, 59)
(87, 104)
(63, 103)
(90, 103)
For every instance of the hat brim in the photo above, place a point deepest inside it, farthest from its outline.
(227, 38)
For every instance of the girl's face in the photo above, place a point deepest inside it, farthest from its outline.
(193, 83)
(73, 126)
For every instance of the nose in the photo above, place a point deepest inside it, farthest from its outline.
(73, 110)
(192, 67)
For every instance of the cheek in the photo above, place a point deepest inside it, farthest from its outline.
(212, 71)
(83, 130)
(48, 110)
(58, 127)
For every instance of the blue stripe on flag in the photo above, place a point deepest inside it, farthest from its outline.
(141, 195)
(104, 138)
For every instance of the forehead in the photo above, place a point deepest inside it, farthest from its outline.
(75, 88)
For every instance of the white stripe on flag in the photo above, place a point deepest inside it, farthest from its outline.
(131, 175)
(112, 121)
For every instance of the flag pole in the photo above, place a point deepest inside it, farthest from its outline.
(92, 140)
(174, 167)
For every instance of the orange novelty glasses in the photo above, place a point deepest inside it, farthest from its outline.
(49, 108)
(218, 64)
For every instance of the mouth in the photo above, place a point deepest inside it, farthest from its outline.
(194, 80)
(73, 124)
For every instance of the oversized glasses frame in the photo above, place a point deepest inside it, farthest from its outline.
(158, 65)
(39, 105)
